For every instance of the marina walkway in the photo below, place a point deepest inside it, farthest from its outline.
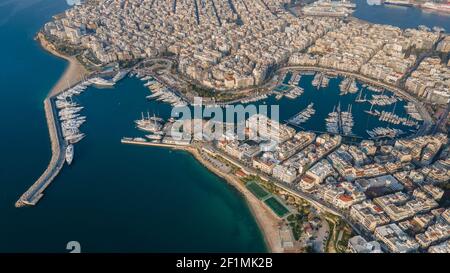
(35, 192)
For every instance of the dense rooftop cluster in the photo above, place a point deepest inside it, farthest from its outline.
(431, 81)
(391, 191)
(237, 44)
(220, 44)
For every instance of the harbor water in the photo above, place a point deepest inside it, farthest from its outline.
(115, 197)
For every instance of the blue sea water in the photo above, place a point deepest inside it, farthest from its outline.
(118, 198)
(114, 198)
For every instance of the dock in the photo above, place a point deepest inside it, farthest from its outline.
(32, 196)
(153, 144)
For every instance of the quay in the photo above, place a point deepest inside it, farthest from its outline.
(153, 144)
(32, 196)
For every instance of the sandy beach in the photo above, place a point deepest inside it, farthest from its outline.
(266, 219)
(73, 74)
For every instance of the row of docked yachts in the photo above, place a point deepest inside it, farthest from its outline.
(348, 85)
(162, 92)
(69, 111)
(70, 118)
(383, 100)
(320, 80)
(340, 122)
(303, 116)
(381, 132)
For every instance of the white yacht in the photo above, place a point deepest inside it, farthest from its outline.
(69, 154)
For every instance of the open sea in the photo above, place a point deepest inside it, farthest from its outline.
(115, 197)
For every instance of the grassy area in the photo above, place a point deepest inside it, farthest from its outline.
(276, 206)
(329, 246)
(203, 92)
(337, 225)
(341, 245)
(296, 223)
(257, 190)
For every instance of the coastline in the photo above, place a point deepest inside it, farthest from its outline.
(73, 74)
(267, 222)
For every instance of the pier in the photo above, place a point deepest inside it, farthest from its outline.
(153, 144)
(32, 196)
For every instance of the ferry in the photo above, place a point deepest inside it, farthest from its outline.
(69, 154)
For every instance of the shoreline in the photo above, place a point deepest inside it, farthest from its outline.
(73, 73)
(267, 222)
